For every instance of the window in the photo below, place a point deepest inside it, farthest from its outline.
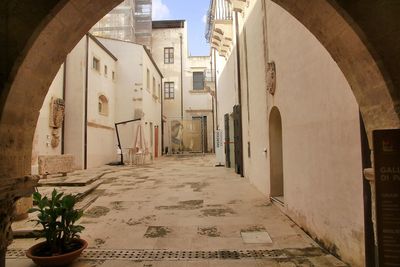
(154, 86)
(169, 55)
(198, 80)
(159, 91)
(96, 64)
(113, 75)
(148, 80)
(105, 70)
(103, 105)
(169, 90)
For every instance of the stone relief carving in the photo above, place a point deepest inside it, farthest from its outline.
(57, 110)
(271, 78)
(55, 138)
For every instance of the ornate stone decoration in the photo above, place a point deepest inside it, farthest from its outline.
(57, 110)
(271, 77)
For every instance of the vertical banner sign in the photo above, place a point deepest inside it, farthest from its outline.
(387, 177)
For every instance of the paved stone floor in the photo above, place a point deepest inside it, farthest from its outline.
(183, 204)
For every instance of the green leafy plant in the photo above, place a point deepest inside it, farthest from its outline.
(57, 216)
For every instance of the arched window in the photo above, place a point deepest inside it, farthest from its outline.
(103, 105)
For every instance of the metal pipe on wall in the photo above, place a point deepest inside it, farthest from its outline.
(239, 86)
(86, 104)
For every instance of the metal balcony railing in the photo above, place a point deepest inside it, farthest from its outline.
(219, 10)
(209, 76)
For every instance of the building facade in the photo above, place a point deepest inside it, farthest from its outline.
(187, 105)
(139, 94)
(98, 92)
(299, 140)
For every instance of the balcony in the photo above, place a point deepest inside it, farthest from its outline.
(220, 26)
(238, 5)
(209, 81)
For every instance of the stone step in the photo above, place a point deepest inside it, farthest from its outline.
(74, 179)
(85, 197)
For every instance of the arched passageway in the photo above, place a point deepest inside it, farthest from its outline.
(42, 33)
(276, 155)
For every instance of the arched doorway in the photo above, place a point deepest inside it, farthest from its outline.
(276, 156)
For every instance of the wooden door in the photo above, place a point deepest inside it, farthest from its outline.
(227, 142)
(237, 126)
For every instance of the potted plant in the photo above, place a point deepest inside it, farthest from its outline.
(57, 216)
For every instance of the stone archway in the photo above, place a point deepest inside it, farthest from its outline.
(59, 26)
(40, 34)
(276, 155)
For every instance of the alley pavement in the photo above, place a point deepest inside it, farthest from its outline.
(184, 211)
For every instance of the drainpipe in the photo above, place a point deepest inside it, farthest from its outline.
(63, 96)
(162, 116)
(216, 91)
(181, 46)
(238, 57)
(86, 103)
(212, 104)
(239, 86)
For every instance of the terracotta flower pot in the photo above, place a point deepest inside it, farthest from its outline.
(59, 260)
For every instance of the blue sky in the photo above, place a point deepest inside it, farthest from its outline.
(194, 12)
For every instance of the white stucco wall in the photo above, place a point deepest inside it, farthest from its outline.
(254, 99)
(132, 94)
(321, 137)
(152, 106)
(198, 103)
(75, 103)
(43, 132)
(101, 126)
(129, 86)
(321, 133)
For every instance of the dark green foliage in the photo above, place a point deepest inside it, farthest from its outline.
(57, 216)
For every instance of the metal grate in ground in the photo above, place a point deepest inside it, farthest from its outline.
(159, 255)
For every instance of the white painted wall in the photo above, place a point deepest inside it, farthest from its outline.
(101, 145)
(321, 137)
(152, 106)
(132, 93)
(321, 134)
(100, 128)
(75, 103)
(255, 119)
(129, 87)
(43, 132)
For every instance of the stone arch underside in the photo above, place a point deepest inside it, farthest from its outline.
(65, 24)
(34, 70)
(42, 46)
(371, 83)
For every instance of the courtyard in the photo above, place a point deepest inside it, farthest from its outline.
(178, 211)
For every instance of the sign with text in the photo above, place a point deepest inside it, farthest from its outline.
(387, 179)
